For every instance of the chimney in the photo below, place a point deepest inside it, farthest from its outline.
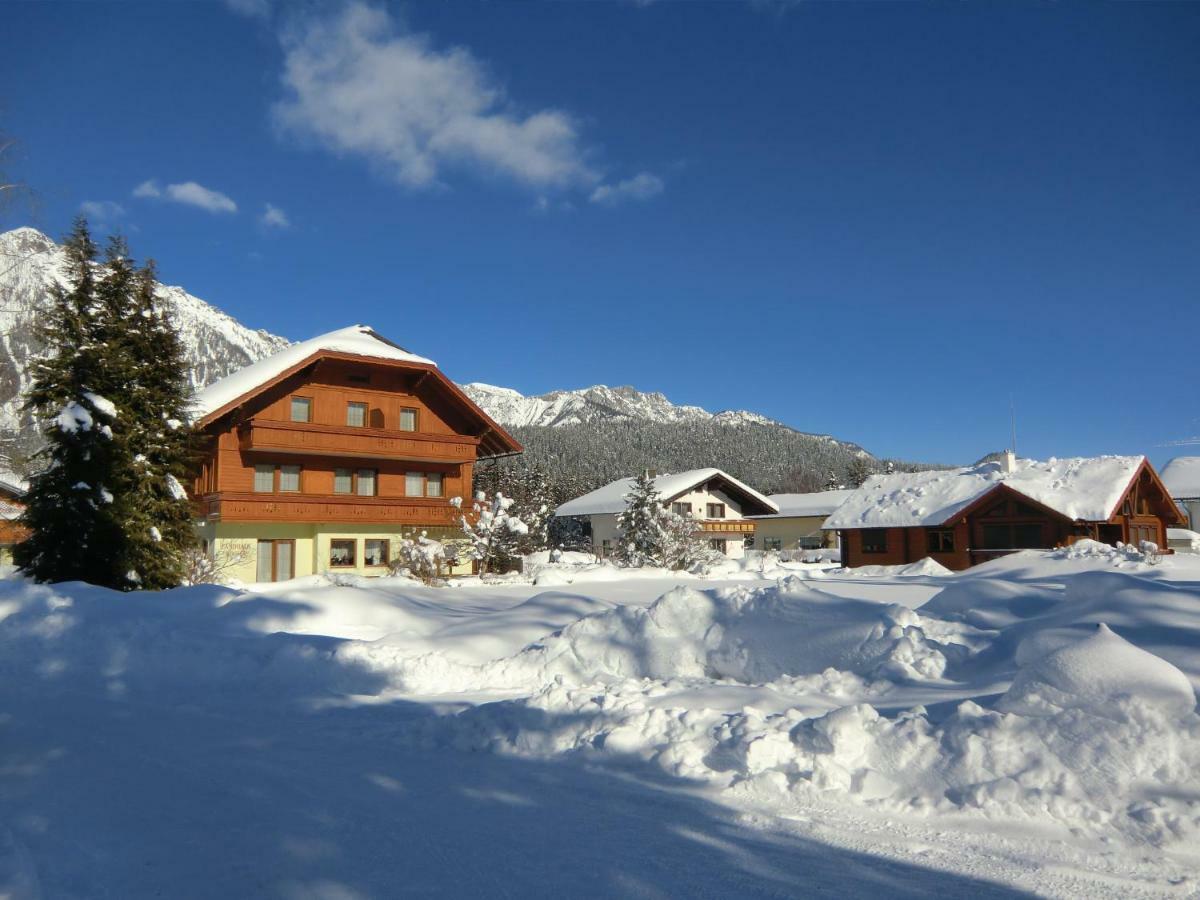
(652, 473)
(1009, 463)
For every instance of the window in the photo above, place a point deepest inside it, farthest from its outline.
(874, 540)
(718, 544)
(682, 509)
(408, 420)
(359, 378)
(414, 484)
(366, 483)
(606, 547)
(939, 540)
(772, 543)
(1014, 536)
(264, 478)
(341, 552)
(356, 414)
(433, 484)
(716, 510)
(289, 479)
(375, 552)
(301, 409)
(343, 481)
(1028, 535)
(999, 510)
(809, 542)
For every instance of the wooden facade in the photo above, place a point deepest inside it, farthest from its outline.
(1003, 521)
(343, 443)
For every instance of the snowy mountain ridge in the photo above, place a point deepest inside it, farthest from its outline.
(597, 403)
(215, 343)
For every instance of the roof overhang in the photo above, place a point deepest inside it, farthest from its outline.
(494, 440)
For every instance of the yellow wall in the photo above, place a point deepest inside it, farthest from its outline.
(240, 539)
(790, 530)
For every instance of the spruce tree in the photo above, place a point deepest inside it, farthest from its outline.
(108, 506)
(74, 533)
(639, 541)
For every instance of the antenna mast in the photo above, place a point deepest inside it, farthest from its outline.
(1012, 417)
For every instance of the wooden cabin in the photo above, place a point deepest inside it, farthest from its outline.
(719, 504)
(321, 457)
(963, 517)
(12, 507)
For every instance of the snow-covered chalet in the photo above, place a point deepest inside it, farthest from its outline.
(962, 517)
(321, 456)
(719, 503)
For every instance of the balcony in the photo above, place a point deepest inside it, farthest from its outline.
(726, 526)
(229, 506)
(308, 439)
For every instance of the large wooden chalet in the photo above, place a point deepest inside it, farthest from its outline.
(963, 517)
(322, 456)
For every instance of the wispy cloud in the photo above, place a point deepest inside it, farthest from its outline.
(640, 187)
(188, 193)
(360, 84)
(274, 217)
(101, 211)
(252, 9)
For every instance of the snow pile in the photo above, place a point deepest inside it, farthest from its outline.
(926, 566)
(744, 635)
(1094, 674)
(1128, 764)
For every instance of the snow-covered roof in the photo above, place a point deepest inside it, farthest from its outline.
(1182, 477)
(1086, 488)
(360, 340)
(611, 497)
(821, 503)
(12, 483)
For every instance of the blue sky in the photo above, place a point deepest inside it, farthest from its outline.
(877, 221)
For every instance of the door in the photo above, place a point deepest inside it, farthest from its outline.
(276, 560)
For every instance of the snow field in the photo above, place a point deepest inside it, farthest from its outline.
(1046, 692)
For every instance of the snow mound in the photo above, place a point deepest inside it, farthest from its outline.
(1094, 672)
(926, 566)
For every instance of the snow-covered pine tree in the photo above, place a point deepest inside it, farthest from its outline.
(74, 532)
(639, 525)
(152, 505)
(108, 506)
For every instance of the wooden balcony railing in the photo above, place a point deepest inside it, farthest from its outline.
(408, 511)
(727, 526)
(369, 443)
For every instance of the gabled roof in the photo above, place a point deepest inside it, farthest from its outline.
(820, 503)
(358, 342)
(1182, 477)
(611, 497)
(1082, 489)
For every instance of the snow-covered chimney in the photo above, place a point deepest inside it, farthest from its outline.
(1009, 463)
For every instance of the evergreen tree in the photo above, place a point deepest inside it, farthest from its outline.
(858, 470)
(74, 534)
(108, 505)
(639, 541)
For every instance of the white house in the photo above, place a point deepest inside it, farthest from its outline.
(1182, 478)
(720, 504)
(797, 524)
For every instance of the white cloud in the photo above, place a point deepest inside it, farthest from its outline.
(148, 188)
(274, 217)
(188, 193)
(101, 210)
(253, 9)
(642, 186)
(359, 84)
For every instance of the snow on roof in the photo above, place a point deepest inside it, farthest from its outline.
(1182, 477)
(821, 503)
(357, 339)
(1081, 489)
(13, 483)
(611, 497)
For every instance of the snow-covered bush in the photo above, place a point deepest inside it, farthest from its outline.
(495, 534)
(213, 566)
(420, 557)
